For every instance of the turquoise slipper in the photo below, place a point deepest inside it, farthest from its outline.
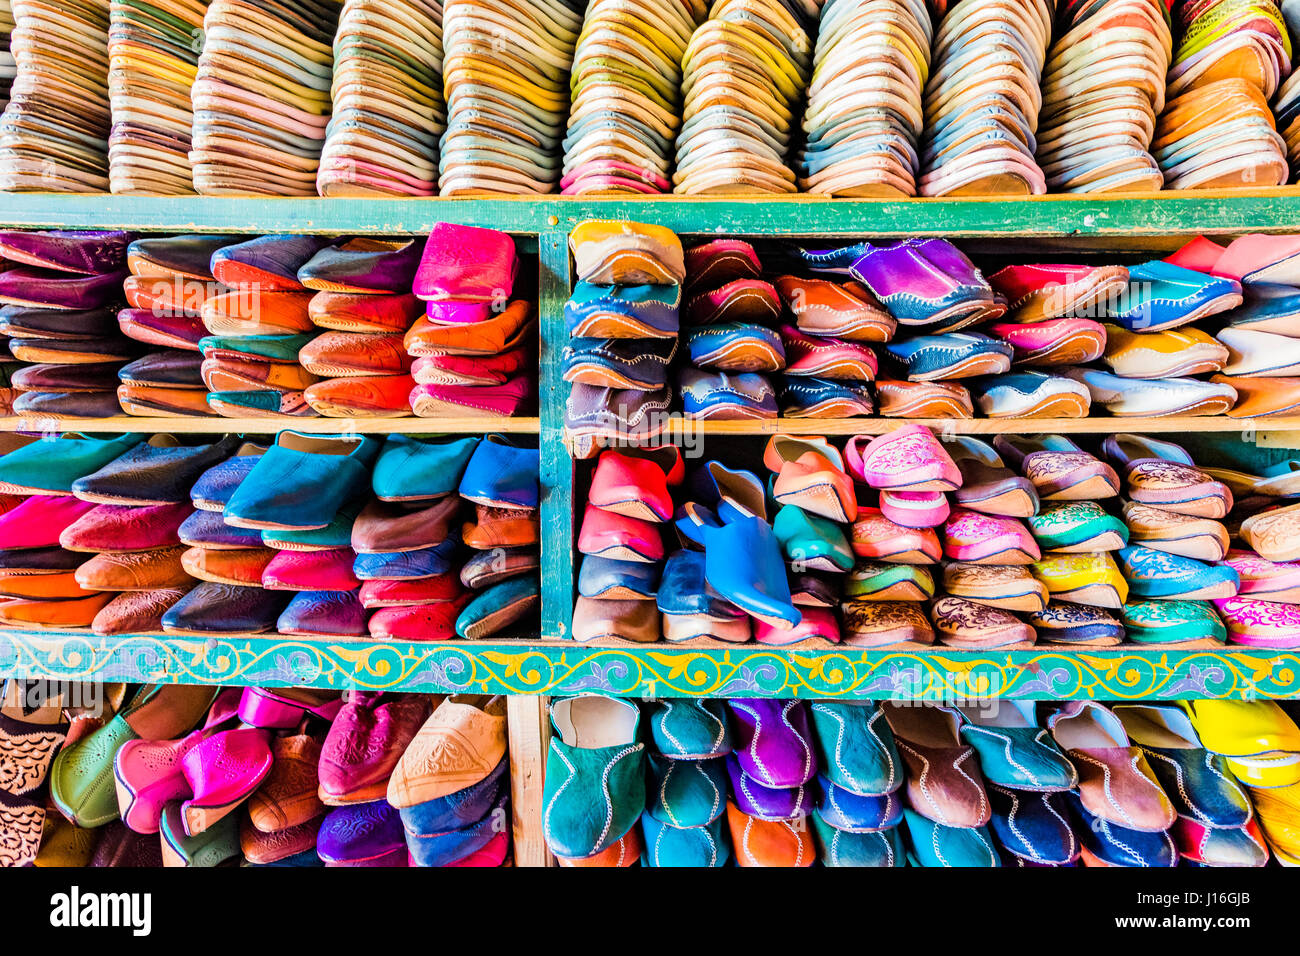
(1172, 622)
(1078, 526)
(687, 793)
(1158, 574)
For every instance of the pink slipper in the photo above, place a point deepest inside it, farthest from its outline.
(915, 509)
(817, 622)
(988, 539)
(907, 459)
(1265, 580)
(1255, 623)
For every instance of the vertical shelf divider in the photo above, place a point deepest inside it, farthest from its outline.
(557, 471)
(529, 728)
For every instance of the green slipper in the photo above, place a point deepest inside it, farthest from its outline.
(1078, 526)
(810, 541)
(1172, 622)
(687, 793)
(881, 581)
(846, 848)
(690, 729)
(214, 846)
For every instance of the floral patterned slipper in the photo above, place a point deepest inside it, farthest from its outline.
(1091, 579)
(978, 627)
(1201, 538)
(875, 536)
(1010, 587)
(1265, 580)
(885, 624)
(1173, 622)
(1078, 526)
(1255, 623)
(1155, 574)
(1077, 625)
(1163, 475)
(988, 539)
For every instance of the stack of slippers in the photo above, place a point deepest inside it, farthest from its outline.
(502, 484)
(256, 322)
(1217, 40)
(733, 345)
(54, 132)
(262, 98)
(475, 348)
(388, 111)
(828, 330)
(366, 739)
(59, 297)
(1198, 148)
(626, 96)
(622, 545)
(864, 113)
(1260, 338)
(920, 382)
(983, 99)
(622, 322)
(506, 78)
(451, 788)
(363, 374)
(169, 284)
(269, 560)
(138, 503)
(744, 75)
(408, 539)
(1286, 110)
(153, 60)
(8, 66)
(1048, 328)
(1103, 88)
(38, 575)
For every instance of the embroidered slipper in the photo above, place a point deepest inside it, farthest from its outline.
(1076, 527)
(972, 626)
(1255, 623)
(1201, 538)
(1058, 468)
(907, 459)
(1076, 624)
(1173, 622)
(1010, 587)
(1083, 578)
(1162, 474)
(1274, 534)
(881, 581)
(1265, 580)
(877, 624)
(1155, 574)
(988, 539)
(875, 536)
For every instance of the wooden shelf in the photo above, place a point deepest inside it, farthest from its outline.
(704, 669)
(195, 425)
(1275, 209)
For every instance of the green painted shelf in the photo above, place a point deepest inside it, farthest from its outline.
(556, 666)
(1173, 213)
(562, 667)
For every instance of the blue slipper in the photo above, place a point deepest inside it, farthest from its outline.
(704, 846)
(1033, 826)
(846, 810)
(1172, 577)
(847, 848)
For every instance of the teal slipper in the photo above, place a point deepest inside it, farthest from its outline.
(1171, 622)
(690, 729)
(687, 793)
(844, 848)
(1078, 526)
(856, 746)
(1158, 574)
(665, 845)
(811, 542)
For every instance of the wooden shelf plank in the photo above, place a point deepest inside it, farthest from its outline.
(707, 669)
(1275, 209)
(195, 425)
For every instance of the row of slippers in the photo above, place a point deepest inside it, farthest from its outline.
(1026, 550)
(1122, 337)
(272, 326)
(318, 98)
(202, 777)
(314, 536)
(1211, 783)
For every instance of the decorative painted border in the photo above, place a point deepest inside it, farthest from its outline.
(562, 667)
